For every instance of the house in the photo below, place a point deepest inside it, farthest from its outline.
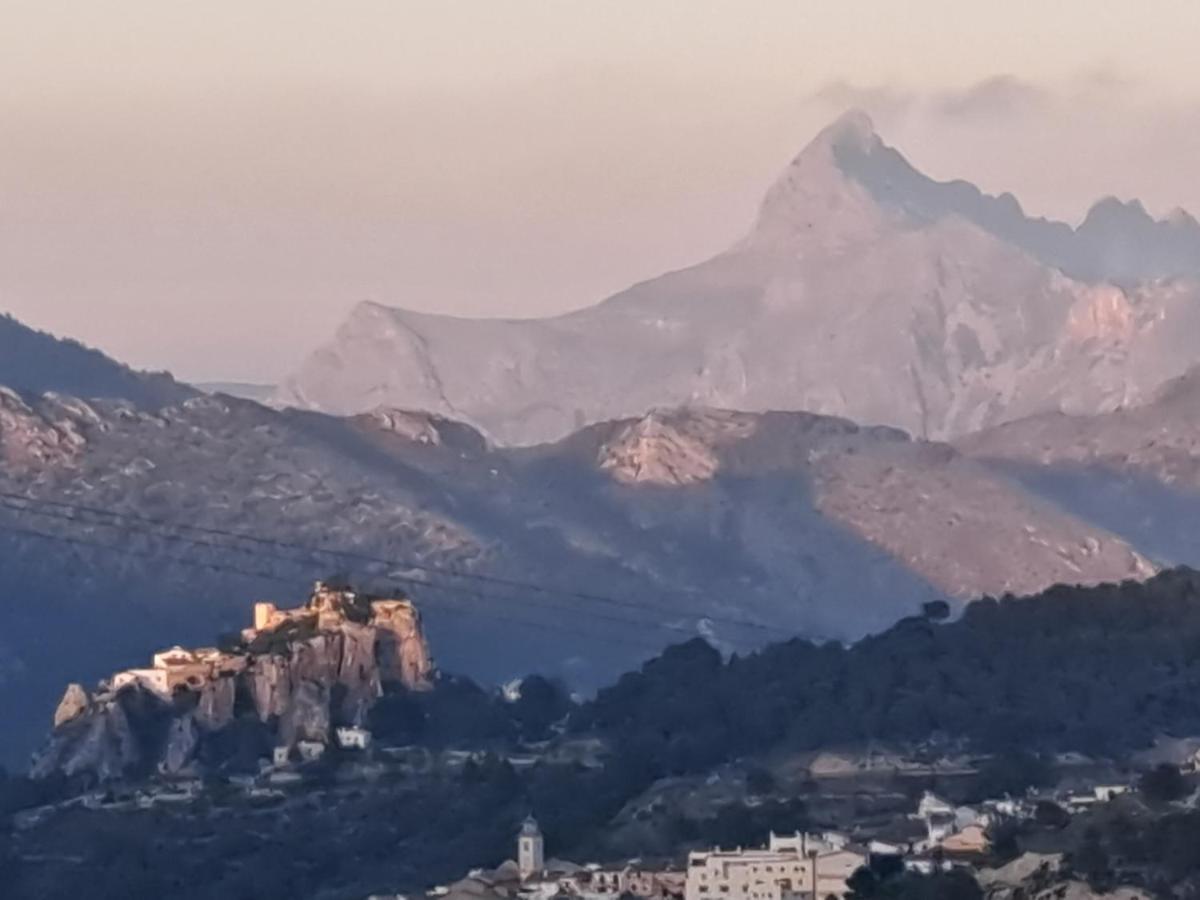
(940, 825)
(971, 841)
(926, 865)
(943, 820)
(931, 804)
(1102, 793)
(789, 868)
(353, 738)
(879, 848)
(1105, 793)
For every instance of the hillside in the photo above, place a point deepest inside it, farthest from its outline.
(1007, 680)
(863, 289)
(1135, 470)
(579, 558)
(36, 362)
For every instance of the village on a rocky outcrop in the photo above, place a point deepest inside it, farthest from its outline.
(310, 672)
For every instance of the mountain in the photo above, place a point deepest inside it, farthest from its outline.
(1135, 471)
(863, 289)
(578, 558)
(260, 393)
(36, 362)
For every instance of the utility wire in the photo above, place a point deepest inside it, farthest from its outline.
(485, 610)
(391, 576)
(445, 572)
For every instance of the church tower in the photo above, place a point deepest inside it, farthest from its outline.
(531, 853)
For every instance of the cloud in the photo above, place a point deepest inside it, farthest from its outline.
(1001, 95)
(877, 100)
(996, 96)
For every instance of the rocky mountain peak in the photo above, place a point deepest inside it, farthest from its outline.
(852, 131)
(864, 289)
(815, 197)
(1112, 212)
(672, 448)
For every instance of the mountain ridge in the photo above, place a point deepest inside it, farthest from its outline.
(35, 362)
(734, 526)
(864, 290)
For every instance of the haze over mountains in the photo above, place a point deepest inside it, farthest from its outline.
(633, 534)
(669, 500)
(864, 289)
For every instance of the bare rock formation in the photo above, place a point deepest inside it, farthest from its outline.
(863, 289)
(39, 437)
(966, 529)
(73, 704)
(304, 671)
(183, 737)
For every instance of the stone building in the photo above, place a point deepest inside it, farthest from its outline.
(531, 850)
(798, 867)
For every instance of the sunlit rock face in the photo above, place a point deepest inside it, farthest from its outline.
(863, 289)
(303, 670)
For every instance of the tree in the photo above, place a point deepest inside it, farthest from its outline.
(1049, 814)
(759, 781)
(1012, 772)
(1091, 859)
(541, 704)
(936, 610)
(1163, 784)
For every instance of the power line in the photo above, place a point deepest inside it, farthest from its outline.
(442, 571)
(277, 579)
(401, 579)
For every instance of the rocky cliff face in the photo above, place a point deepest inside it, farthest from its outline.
(301, 672)
(950, 519)
(864, 289)
(693, 521)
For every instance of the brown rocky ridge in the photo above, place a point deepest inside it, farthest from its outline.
(294, 677)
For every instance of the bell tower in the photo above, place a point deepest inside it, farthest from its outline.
(531, 852)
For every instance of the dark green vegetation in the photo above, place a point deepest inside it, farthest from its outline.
(886, 879)
(37, 362)
(1101, 670)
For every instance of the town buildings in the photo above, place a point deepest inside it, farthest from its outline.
(795, 867)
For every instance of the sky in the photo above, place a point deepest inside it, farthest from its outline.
(210, 187)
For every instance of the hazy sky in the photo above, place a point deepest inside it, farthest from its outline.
(209, 187)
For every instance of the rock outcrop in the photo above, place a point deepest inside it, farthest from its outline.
(73, 704)
(303, 671)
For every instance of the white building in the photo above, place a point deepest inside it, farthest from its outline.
(932, 805)
(353, 738)
(531, 850)
(797, 867)
(944, 820)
